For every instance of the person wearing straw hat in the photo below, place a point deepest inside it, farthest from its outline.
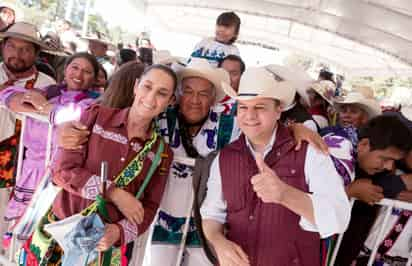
(193, 129)
(276, 202)
(356, 108)
(98, 46)
(20, 46)
(321, 94)
(295, 112)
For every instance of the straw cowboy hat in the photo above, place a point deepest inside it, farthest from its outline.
(200, 68)
(369, 104)
(300, 79)
(98, 37)
(258, 82)
(325, 89)
(24, 31)
(54, 44)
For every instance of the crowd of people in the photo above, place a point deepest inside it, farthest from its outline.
(278, 156)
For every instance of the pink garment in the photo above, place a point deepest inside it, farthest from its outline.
(35, 141)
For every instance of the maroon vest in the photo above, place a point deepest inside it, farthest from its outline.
(269, 233)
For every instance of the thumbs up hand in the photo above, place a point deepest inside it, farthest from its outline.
(267, 185)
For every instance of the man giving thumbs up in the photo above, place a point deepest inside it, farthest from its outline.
(274, 202)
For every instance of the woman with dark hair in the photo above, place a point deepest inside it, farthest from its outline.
(119, 93)
(60, 102)
(136, 154)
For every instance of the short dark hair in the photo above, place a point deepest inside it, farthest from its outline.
(387, 131)
(89, 57)
(229, 19)
(236, 58)
(126, 55)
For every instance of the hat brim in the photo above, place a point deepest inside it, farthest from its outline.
(370, 106)
(42, 45)
(99, 40)
(212, 75)
(317, 89)
(284, 92)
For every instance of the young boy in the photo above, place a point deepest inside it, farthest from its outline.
(217, 48)
(275, 201)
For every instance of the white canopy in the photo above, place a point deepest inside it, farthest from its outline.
(361, 37)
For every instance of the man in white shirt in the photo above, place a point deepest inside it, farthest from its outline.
(20, 47)
(275, 201)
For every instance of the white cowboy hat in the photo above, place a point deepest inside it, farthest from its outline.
(258, 82)
(300, 79)
(325, 89)
(200, 68)
(24, 31)
(370, 105)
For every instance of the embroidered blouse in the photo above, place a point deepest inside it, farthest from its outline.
(77, 171)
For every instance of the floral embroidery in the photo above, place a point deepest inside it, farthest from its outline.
(109, 135)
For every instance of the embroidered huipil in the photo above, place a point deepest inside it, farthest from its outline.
(213, 50)
(35, 141)
(177, 195)
(77, 171)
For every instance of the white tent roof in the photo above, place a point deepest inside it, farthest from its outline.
(361, 37)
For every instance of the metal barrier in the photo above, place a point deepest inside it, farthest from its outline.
(23, 117)
(7, 261)
(390, 204)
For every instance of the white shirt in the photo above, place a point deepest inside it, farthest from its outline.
(330, 203)
(213, 50)
(7, 118)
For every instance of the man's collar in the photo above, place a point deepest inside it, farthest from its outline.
(268, 147)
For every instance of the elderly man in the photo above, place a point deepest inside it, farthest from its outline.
(357, 107)
(193, 130)
(20, 47)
